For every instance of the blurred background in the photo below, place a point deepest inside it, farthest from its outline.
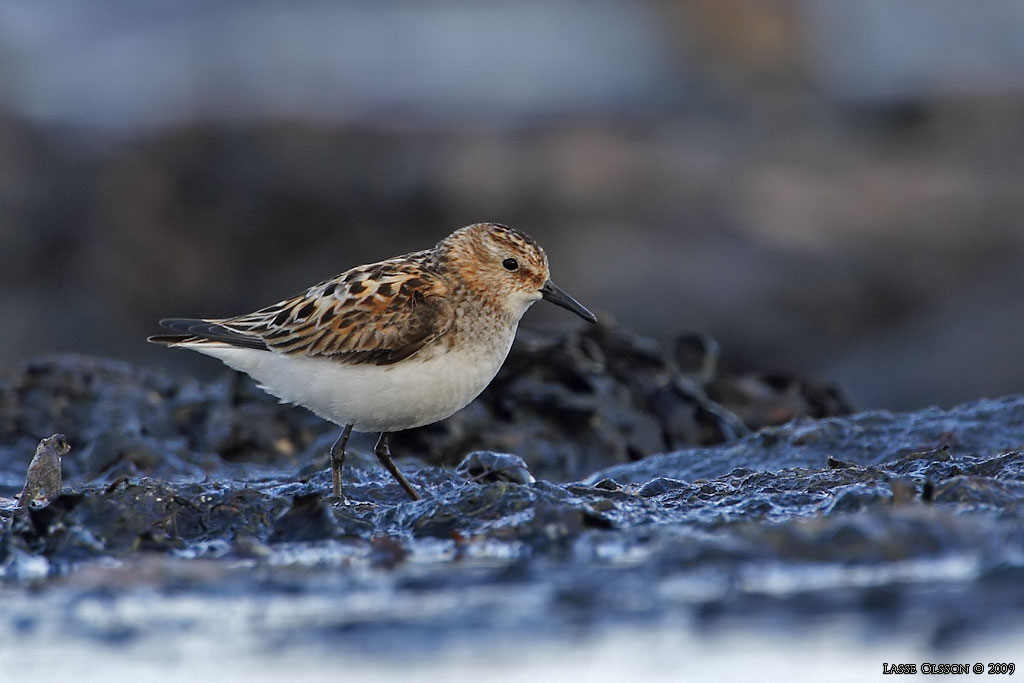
(829, 187)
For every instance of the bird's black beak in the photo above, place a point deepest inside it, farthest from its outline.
(553, 293)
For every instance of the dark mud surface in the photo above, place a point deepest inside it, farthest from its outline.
(193, 521)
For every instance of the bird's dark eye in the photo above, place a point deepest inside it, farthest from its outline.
(510, 264)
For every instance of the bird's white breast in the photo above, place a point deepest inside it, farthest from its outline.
(374, 398)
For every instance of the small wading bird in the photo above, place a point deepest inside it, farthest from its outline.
(391, 345)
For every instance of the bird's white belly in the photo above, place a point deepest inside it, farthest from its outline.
(374, 398)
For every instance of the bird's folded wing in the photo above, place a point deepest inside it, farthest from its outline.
(379, 314)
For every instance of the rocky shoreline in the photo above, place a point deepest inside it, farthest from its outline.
(177, 491)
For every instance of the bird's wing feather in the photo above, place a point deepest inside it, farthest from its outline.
(194, 330)
(380, 313)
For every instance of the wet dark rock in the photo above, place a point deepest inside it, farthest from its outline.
(987, 428)
(483, 466)
(661, 485)
(179, 488)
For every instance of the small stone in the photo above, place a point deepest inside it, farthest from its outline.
(44, 472)
(485, 466)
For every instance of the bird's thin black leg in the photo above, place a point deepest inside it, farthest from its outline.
(338, 458)
(384, 455)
